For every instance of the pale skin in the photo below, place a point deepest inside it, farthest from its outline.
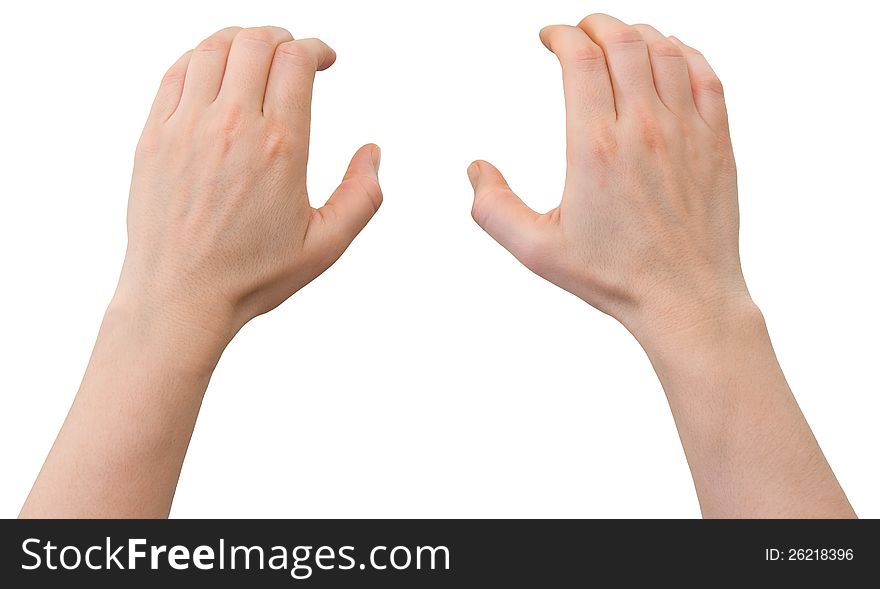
(221, 230)
(647, 231)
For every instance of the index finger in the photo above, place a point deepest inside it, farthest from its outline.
(589, 97)
(291, 78)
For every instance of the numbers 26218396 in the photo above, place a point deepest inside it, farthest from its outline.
(809, 554)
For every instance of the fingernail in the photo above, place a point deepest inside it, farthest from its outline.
(376, 156)
(473, 172)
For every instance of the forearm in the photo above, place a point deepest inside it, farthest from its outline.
(122, 445)
(750, 450)
(220, 230)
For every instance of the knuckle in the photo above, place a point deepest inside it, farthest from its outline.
(592, 21)
(258, 36)
(644, 29)
(277, 140)
(296, 53)
(278, 32)
(479, 210)
(600, 148)
(484, 205)
(212, 44)
(604, 140)
(588, 19)
(475, 213)
(651, 131)
(229, 124)
(588, 57)
(665, 48)
(709, 84)
(174, 76)
(624, 37)
(372, 190)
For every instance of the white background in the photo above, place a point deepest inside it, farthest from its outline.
(427, 373)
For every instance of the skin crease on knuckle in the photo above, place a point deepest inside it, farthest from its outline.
(482, 209)
(296, 54)
(652, 131)
(624, 38)
(212, 44)
(586, 57)
(665, 49)
(372, 189)
(710, 84)
(277, 142)
(174, 76)
(602, 150)
(265, 36)
(228, 127)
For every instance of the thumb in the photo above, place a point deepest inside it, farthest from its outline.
(333, 226)
(503, 215)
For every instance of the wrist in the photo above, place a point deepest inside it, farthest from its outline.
(698, 327)
(166, 337)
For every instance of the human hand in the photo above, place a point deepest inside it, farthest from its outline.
(647, 230)
(219, 222)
